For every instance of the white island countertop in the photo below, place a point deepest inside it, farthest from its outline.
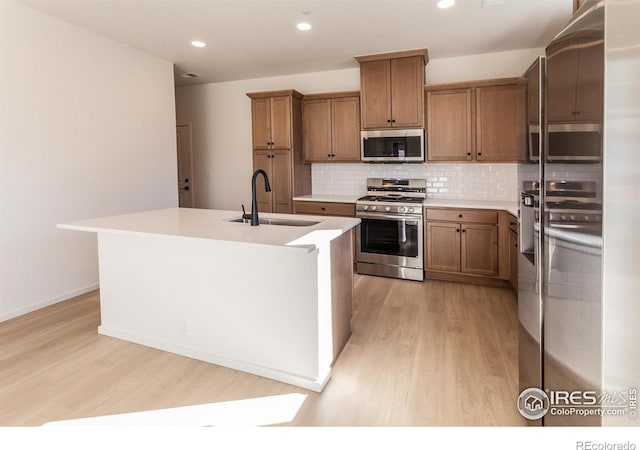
(272, 300)
(214, 225)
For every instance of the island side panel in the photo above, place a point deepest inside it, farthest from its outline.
(341, 291)
(249, 307)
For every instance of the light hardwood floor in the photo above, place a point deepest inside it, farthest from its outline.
(421, 354)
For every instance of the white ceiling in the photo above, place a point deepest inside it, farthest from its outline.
(258, 38)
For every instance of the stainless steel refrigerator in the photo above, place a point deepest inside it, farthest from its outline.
(579, 338)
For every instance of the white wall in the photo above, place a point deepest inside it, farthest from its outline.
(87, 128)
(220, 115)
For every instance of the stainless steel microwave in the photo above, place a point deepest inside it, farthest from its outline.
(534, 143)
(574, 142)
(392, 146)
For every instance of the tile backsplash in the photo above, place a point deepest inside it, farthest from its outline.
(451, 181)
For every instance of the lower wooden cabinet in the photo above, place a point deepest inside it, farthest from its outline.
(462, 242)
(513, 259)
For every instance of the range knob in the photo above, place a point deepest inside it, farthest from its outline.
(587, 218)
(365, 207)
(401, 209)
(387, 208)
(373, 208)
(410, 210)
(563, 217)
(572, 217)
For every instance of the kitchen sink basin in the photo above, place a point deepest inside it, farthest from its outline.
(275, 221)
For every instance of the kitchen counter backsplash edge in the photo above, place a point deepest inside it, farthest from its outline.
(484, 182)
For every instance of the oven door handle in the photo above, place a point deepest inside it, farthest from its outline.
(413, 220)
(403, 232)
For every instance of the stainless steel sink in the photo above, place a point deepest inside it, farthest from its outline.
(274, 221)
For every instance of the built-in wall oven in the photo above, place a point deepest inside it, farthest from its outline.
(391, 237)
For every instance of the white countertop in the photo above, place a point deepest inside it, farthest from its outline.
(328, 198)
(511, 207)
(213, 224)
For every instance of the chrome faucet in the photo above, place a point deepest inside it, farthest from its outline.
(254, 202)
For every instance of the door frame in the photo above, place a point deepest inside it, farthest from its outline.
(191, 179)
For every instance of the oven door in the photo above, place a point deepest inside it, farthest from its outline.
(390, 240)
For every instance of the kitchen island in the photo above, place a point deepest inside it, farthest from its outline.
(273, 300)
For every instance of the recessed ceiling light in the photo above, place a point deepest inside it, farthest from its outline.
(445, 3)
(303, 26)
(198, 44)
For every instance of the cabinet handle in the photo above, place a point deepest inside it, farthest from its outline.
(479, 153)
(388, 120)
(512, 223)
(457, 230)
(460, 216)
(323, 208)
(393, 120)
(464, 231)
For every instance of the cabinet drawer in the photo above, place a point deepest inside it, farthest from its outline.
(463, 215)
(325, 208)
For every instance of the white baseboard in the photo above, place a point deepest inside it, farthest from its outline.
(316, 385)
(50, 301)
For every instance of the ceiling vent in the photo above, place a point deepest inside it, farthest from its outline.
(490, 3)
(190, 75)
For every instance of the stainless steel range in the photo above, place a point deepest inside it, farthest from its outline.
(573, 205)
(390, 241)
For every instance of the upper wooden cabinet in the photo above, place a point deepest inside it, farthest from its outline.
(499, 130)
(476, 121)
(574, 88)
(277, 148)
(271, 117)
(533, 93)
(450, 125)
(331, 127)
(392, 89)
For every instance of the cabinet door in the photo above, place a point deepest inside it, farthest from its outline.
(281, 122)
(375, 85)
(443, 246)
(533, 94)
(407, 92)
(513, 259)
(281, 167)
(261, 123)
(262, 160)
(589, 98)
(499, 130)
(345, 126)
(479, 249)
(316, 131)
(449, 125)
(562, 72)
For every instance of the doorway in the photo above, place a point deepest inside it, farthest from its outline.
(185, 166)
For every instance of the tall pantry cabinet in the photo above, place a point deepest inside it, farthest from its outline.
(276, 119)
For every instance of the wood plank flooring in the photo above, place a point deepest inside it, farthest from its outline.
(421, 354)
